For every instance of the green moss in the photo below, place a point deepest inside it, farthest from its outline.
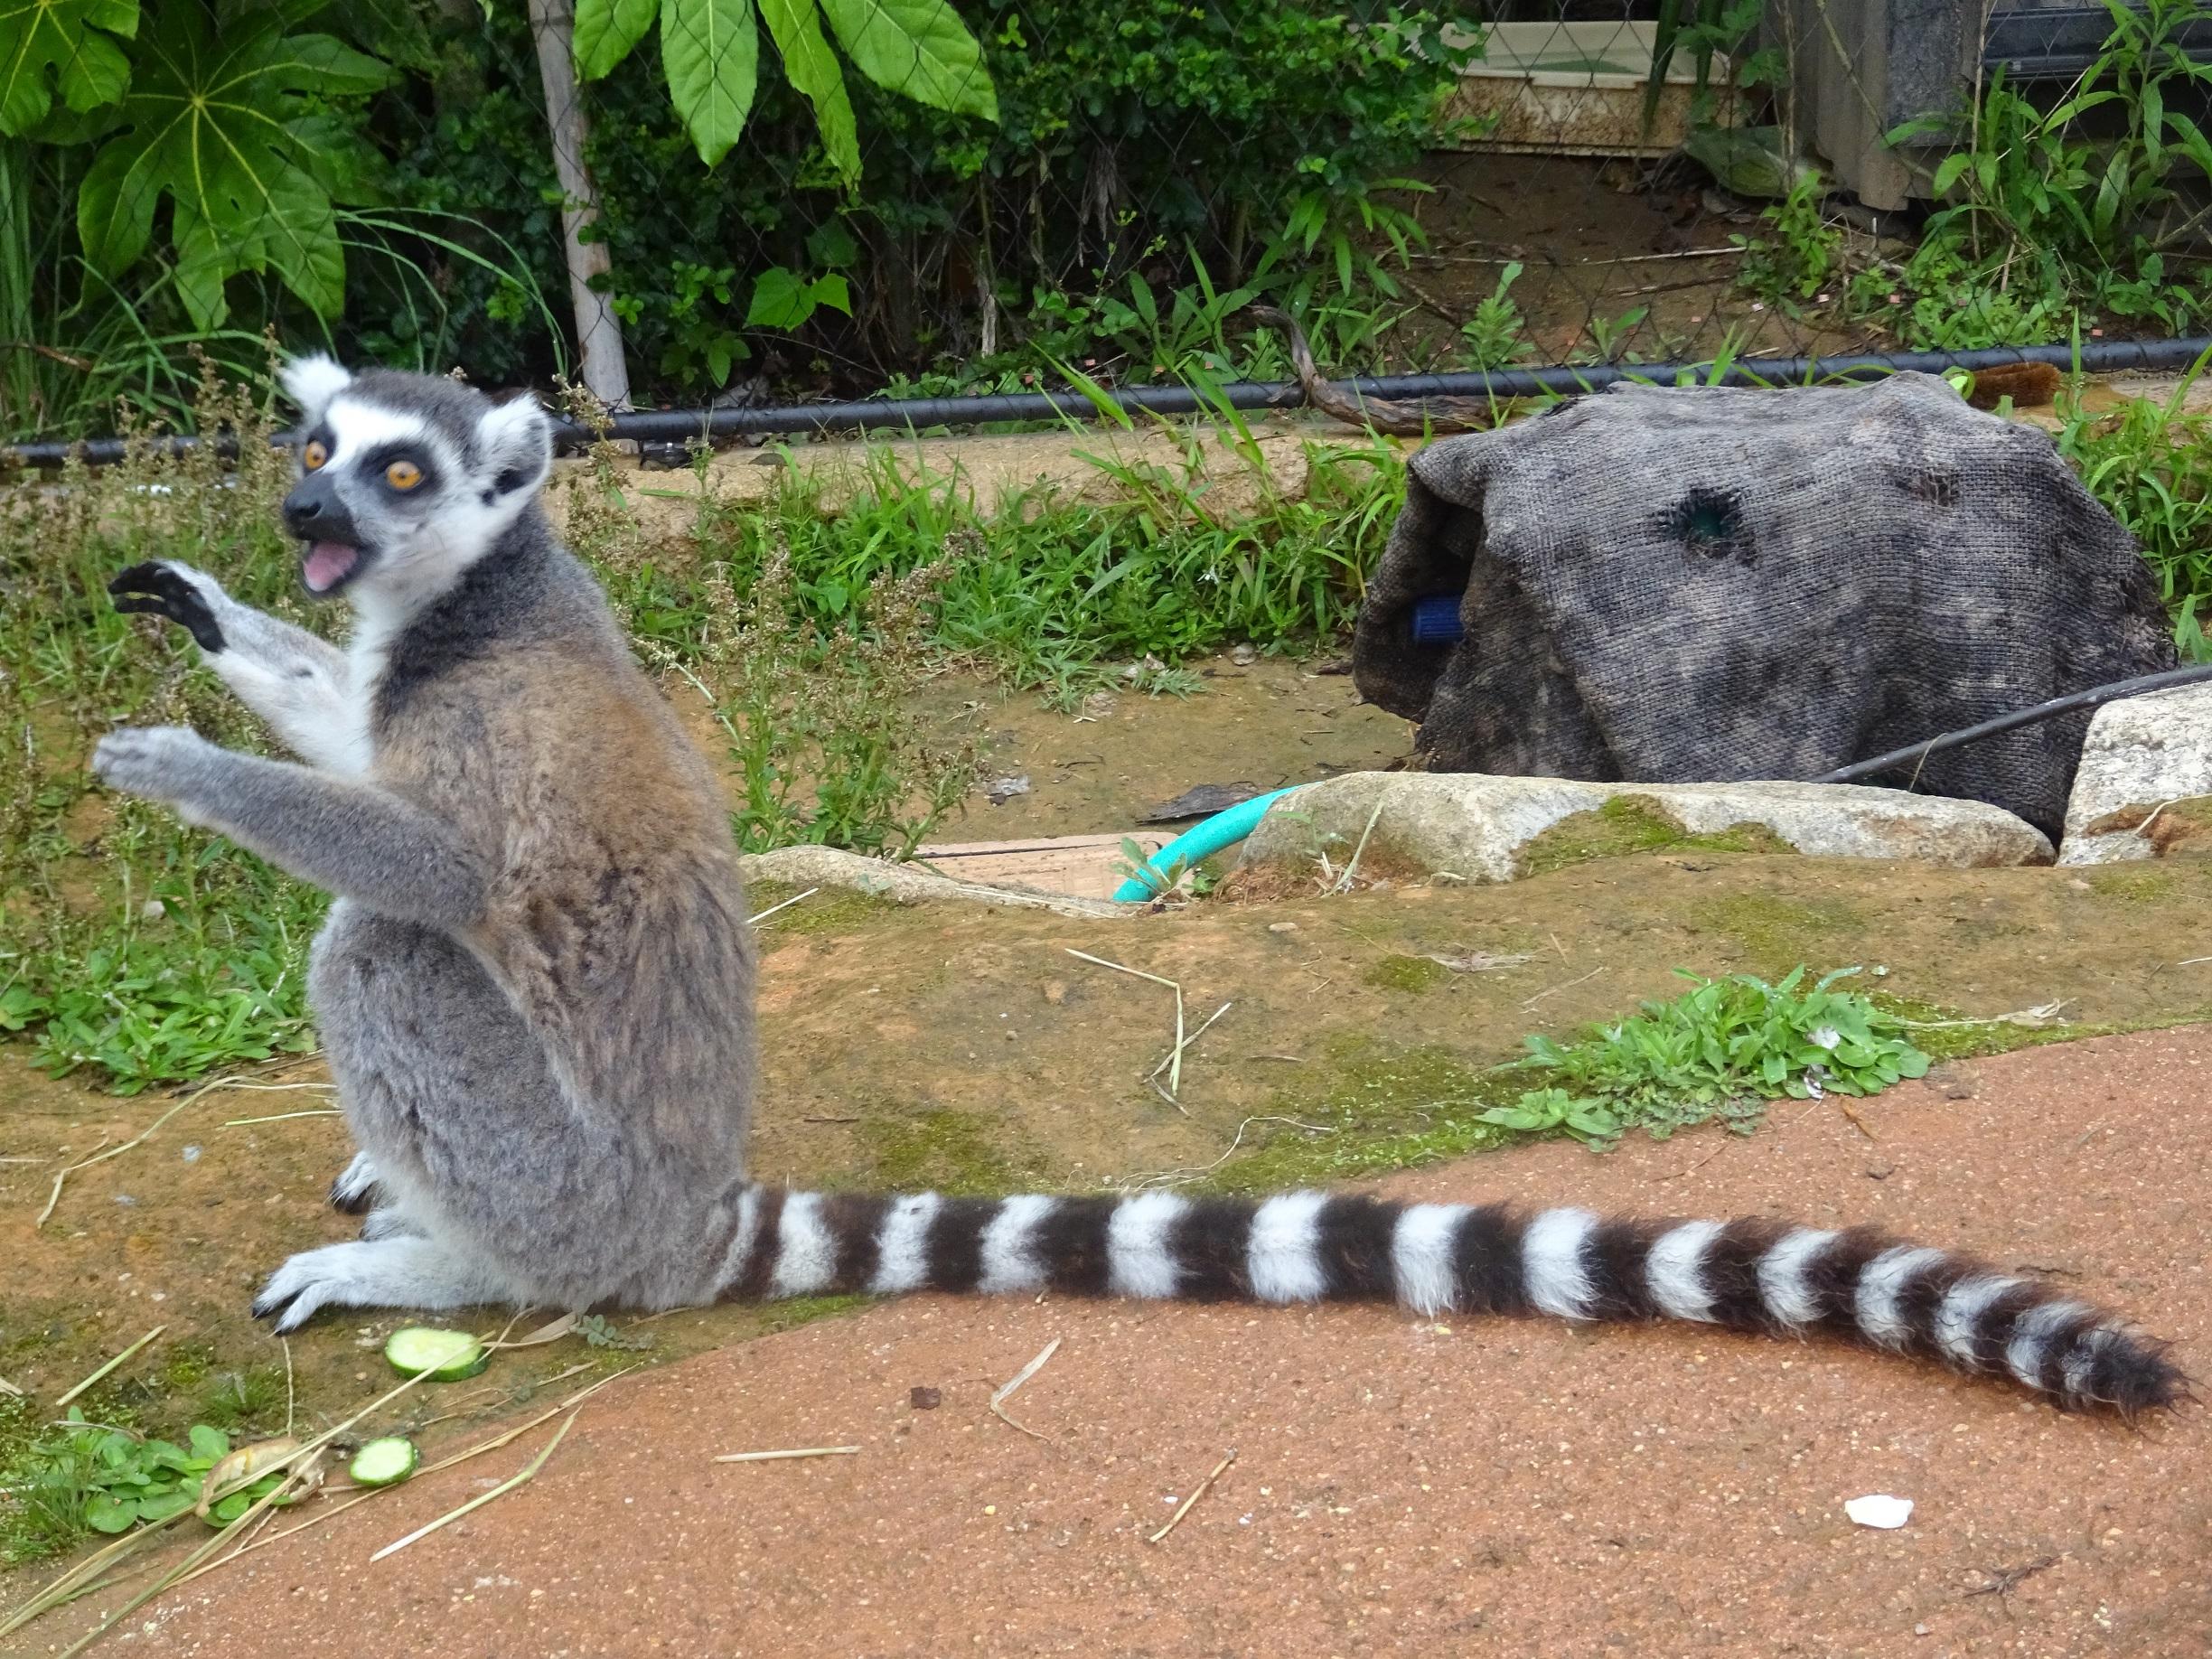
(1776, 934)
(945, 1151)
(2132, 883)
(1946, 1034)
(1377, 1108)
(184, 1367)
(1630, 824)
(1406, 973)
(805, 1309)
(839, 909)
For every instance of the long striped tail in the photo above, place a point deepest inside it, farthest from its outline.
(1748, 1275)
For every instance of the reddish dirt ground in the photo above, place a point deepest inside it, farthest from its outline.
(1399, 1486)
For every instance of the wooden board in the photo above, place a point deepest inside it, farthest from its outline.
(1084, 866)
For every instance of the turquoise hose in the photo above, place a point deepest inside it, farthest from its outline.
(1200, 841)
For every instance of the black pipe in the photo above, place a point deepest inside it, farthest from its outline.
(675, 425)
(2096, 696)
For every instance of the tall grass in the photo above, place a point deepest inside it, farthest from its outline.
(2149, 461)
(130, 945)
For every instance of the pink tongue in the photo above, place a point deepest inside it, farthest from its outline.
(327, 563)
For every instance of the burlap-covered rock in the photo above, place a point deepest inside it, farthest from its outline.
(1712, 585)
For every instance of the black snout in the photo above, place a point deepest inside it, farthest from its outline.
(312, 511)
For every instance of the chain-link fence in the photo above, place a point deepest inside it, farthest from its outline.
(689, 202)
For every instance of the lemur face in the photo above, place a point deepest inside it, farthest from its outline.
(406, 480)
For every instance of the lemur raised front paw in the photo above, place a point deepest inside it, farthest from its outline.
(162, 587)
(157, 762)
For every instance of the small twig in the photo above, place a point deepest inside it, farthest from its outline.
(1700, 1163)
(776, 1457)
(1857, 1121)
(284, 1117)
(787, 904)
(1203, 1487)
(7, 1387)
(528, 1473)
(109, 1366)
(1175, 1072)
(1175, 1056)
(285, 1344)
(2005, 1580)
(829, 1119)
(998, 1399)
(1343, 882)
(1530, 1005)
(1184, 1177)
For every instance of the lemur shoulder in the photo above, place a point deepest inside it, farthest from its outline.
(535, 987)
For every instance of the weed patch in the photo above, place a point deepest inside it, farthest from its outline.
(80, 1477)
(1718, 1052)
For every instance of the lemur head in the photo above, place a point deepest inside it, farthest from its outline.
(406, 480)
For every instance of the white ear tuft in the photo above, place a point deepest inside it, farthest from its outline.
(518, 444)
(312, 381)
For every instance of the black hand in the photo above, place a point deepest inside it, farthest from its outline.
(158, 591)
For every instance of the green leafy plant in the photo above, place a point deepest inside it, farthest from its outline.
(1611, 335)
(601, 1332)
(83, 1477)
(1805, 252)
(69, 47)
(1545, 1111)
(1720, 1051)
(710, 52)
(2150, 463)
(2051, 209)
(702, 349)
(1135, 865)
(1705, 29)
(1495, 336)
(233, 128)
(1198, 126)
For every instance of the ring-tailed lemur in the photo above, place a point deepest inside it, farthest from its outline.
(535, 989)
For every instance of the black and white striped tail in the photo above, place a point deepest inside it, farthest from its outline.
(1748, 1275)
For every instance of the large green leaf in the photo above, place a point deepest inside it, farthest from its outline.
(711, 52)
(918, 49)
(812, 67)
(227, 126)
(605, 31)
(47, 45)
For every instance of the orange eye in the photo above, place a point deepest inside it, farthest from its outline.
(314, 455)
(403, 475)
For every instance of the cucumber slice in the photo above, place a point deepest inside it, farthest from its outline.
(384, 1462)
(441, 1356)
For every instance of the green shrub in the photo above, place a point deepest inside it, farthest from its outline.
(1134, 138)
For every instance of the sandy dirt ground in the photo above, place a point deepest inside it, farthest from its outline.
(1400, 1486)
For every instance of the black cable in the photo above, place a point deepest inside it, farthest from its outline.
(918, 414)
(2094, 697)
